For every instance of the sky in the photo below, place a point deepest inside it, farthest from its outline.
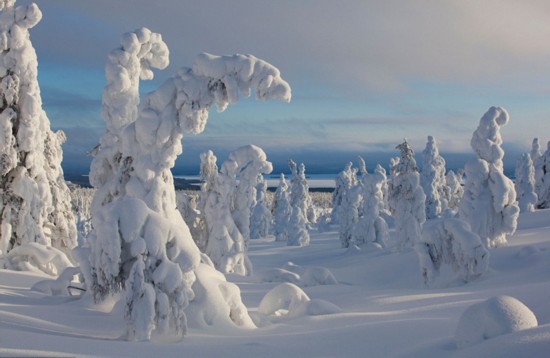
(364, 74)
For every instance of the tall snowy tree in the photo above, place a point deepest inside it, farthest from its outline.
(346, 179)
(261, 219)
(348, 199)
(525, 183)
(283, 210)
(489, 201)
(537, 159)
(542, 179)
(383, 186)
(407, 199)
(432, 179)
(35, 203)
(370, 229)
(299, 192)
(145, 247)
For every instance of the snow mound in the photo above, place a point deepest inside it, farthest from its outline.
(289, 300)
(32, 256)
(298, 275)
(494, 317)
(60, 286)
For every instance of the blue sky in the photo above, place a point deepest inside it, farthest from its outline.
(365, 74)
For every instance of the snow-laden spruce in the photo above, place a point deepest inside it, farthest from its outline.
(525, 183)
(283, 210)
(261, 218)
(299, 192)
(542, 178)
(536, 156)
(384, 187)
(489, 201)
(142, 243)
(450, 241)
(348, 200)
(344, 181)
(453, 189)
(370, 229)
(432, 179)
(406, 198)
(35, 203)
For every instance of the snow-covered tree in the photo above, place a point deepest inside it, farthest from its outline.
(35, 203)
(261, 219)
(299, 192)
(283, 210)
(407, 199)
(489, 201)
(344, 181)
(297, 229)
(141, 242)
(349, 197)
(432, 179)
(453, 189)
(451, 242)
(525, 183)
(187, 206)
(371, 228)
(542, 179)
(250, 162)
(383, 186)
(538, 162)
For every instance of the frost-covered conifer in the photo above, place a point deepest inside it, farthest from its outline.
(142, 243)
(542, 178)
(282, 210)
(35, 203)
(371, 228)
(525, 184)
(383, 186)
(187, 206)
(261, 219)
(489, 201)
(347, 215)
(297, 229)
(345, 180)
(299, 192)
(432, 179)
(250, 161)
(451, 242)
(407, 199)
(453, 189)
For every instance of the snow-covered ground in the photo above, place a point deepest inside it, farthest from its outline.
(385, 308)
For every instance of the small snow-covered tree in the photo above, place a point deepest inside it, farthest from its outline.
(35, 204)
(344, 181)
(542, 179)
(383, 186)
(297, 229)
(187, 206)
(451, 242)
(142, 243)
(453, 189)
(283, 210)
(525, 184)
(347, 213)
(407, 199)
(489, 201)
(432, 179)
(371, 228)
(261, 219)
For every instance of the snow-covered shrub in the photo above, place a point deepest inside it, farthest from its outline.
(489, 201)
(261, 219)
(34, 198)
(141, 243)
(406, 198)
(432, 179)
(370, 228)
(491, 318)
(451, 242)
(542, 179)
(525, 183)
(283, 210)
(311, 275)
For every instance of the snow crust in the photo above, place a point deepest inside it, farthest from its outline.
(491, 318)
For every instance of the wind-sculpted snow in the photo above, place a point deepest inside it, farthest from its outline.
(140, 242)
(34, 200)
(489, 201)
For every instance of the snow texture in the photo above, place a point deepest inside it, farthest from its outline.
(451, 242)
(489, 201)
(407, 199)
(525, 183)
(35, 206)
(491, 318)
(432, 179)
(140, 242)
